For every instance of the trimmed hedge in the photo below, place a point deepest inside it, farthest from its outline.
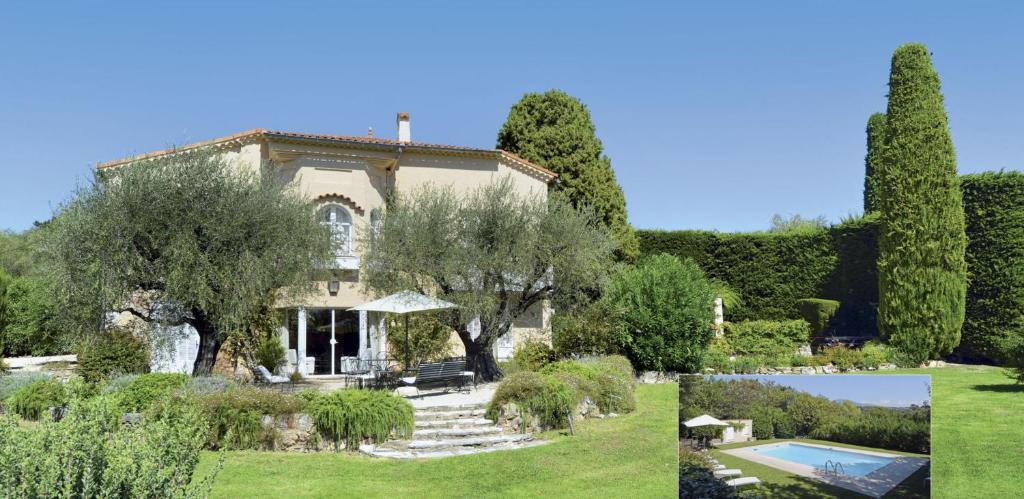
(769, 338)
(772, 271)
(994, 212)
(817, 312)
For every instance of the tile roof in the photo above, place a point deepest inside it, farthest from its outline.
(260, 134)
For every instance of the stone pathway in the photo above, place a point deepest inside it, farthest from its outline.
(451, 430)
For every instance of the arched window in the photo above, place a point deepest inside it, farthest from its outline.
(340, 221)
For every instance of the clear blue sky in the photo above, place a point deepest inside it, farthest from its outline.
(716, 114)
(891, 391)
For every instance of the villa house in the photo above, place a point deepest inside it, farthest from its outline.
(349, 177)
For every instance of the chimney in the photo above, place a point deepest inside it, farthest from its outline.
(403, 128)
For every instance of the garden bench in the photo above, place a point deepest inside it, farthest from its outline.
(447, 373)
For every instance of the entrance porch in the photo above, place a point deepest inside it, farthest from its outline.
(332, 341)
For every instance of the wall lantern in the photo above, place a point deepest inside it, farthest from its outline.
(333, 286)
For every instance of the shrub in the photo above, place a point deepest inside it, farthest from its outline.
(352, 416)
(767, 338)
(111, 354)
(605, 381)
(696, 480)
(922, 275)
(542, 396)
(748, 364)
(817, 312)
(209, 384)
(144, 390)
(667, 316)
(841, 357)
(1017, 362)
(270, 353)
(994, 214)
(11, 383)
(718, 360)
(31, 323)
(532, 355)
(234, 416)
(875, 354)
(33, 400)
(84, 456)
(902, 430)
(591, 331)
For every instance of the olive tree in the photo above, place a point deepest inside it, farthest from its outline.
(185, 238)
(494, 252)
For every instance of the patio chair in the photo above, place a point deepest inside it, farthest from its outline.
(739, 482)
(263, 376)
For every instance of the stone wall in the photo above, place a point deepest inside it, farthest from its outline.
(511, 418)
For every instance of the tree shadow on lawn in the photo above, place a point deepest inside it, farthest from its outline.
(1001, 388)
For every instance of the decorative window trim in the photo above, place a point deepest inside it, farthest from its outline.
(341, 199)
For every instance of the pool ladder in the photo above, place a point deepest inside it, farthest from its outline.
(835, 466)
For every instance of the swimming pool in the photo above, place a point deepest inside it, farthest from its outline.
(853, 462)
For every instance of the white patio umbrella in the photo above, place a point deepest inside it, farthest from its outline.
(405, 303)
(704, 420)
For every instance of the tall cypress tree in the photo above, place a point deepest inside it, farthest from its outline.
(922, 279)
(876, 139)
(554, 130)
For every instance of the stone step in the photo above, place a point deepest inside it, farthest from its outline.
(432, 415)
(457, 432)
(454, 423)
(444, 452)
(472, 441)
(449, 408)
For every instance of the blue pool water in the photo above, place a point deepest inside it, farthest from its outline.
(854, 463)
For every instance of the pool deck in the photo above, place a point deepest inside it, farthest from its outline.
(874, 484)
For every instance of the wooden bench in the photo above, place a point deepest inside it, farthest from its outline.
(448, 373)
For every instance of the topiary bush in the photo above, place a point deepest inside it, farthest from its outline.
(33, 400)
(352, 416)
(817, 312)
(766, 338)
(141, 392)
(666, 313)
(111, 354)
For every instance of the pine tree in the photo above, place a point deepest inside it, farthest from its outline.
(921, 272)
(554, 130)
(876, 138)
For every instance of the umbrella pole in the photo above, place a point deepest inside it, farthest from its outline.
(407, 341)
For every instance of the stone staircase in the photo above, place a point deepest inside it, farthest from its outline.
(445, 431)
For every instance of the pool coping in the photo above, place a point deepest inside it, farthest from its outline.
(874, 484)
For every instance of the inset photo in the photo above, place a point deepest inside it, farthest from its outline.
(832, 436)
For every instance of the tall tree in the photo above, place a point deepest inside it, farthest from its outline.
(922, 279)
(187, 238)
(493, 252)
(876, 140)
(554, 130)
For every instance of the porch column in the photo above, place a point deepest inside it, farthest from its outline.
(333, 342)
(300, 354)
(282, 332)
(364, 339)
(382, 336)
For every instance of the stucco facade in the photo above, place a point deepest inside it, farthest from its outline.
(352, 176)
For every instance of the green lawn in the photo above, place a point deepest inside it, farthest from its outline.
(630, 456)
(977, 432)
(780, 484)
